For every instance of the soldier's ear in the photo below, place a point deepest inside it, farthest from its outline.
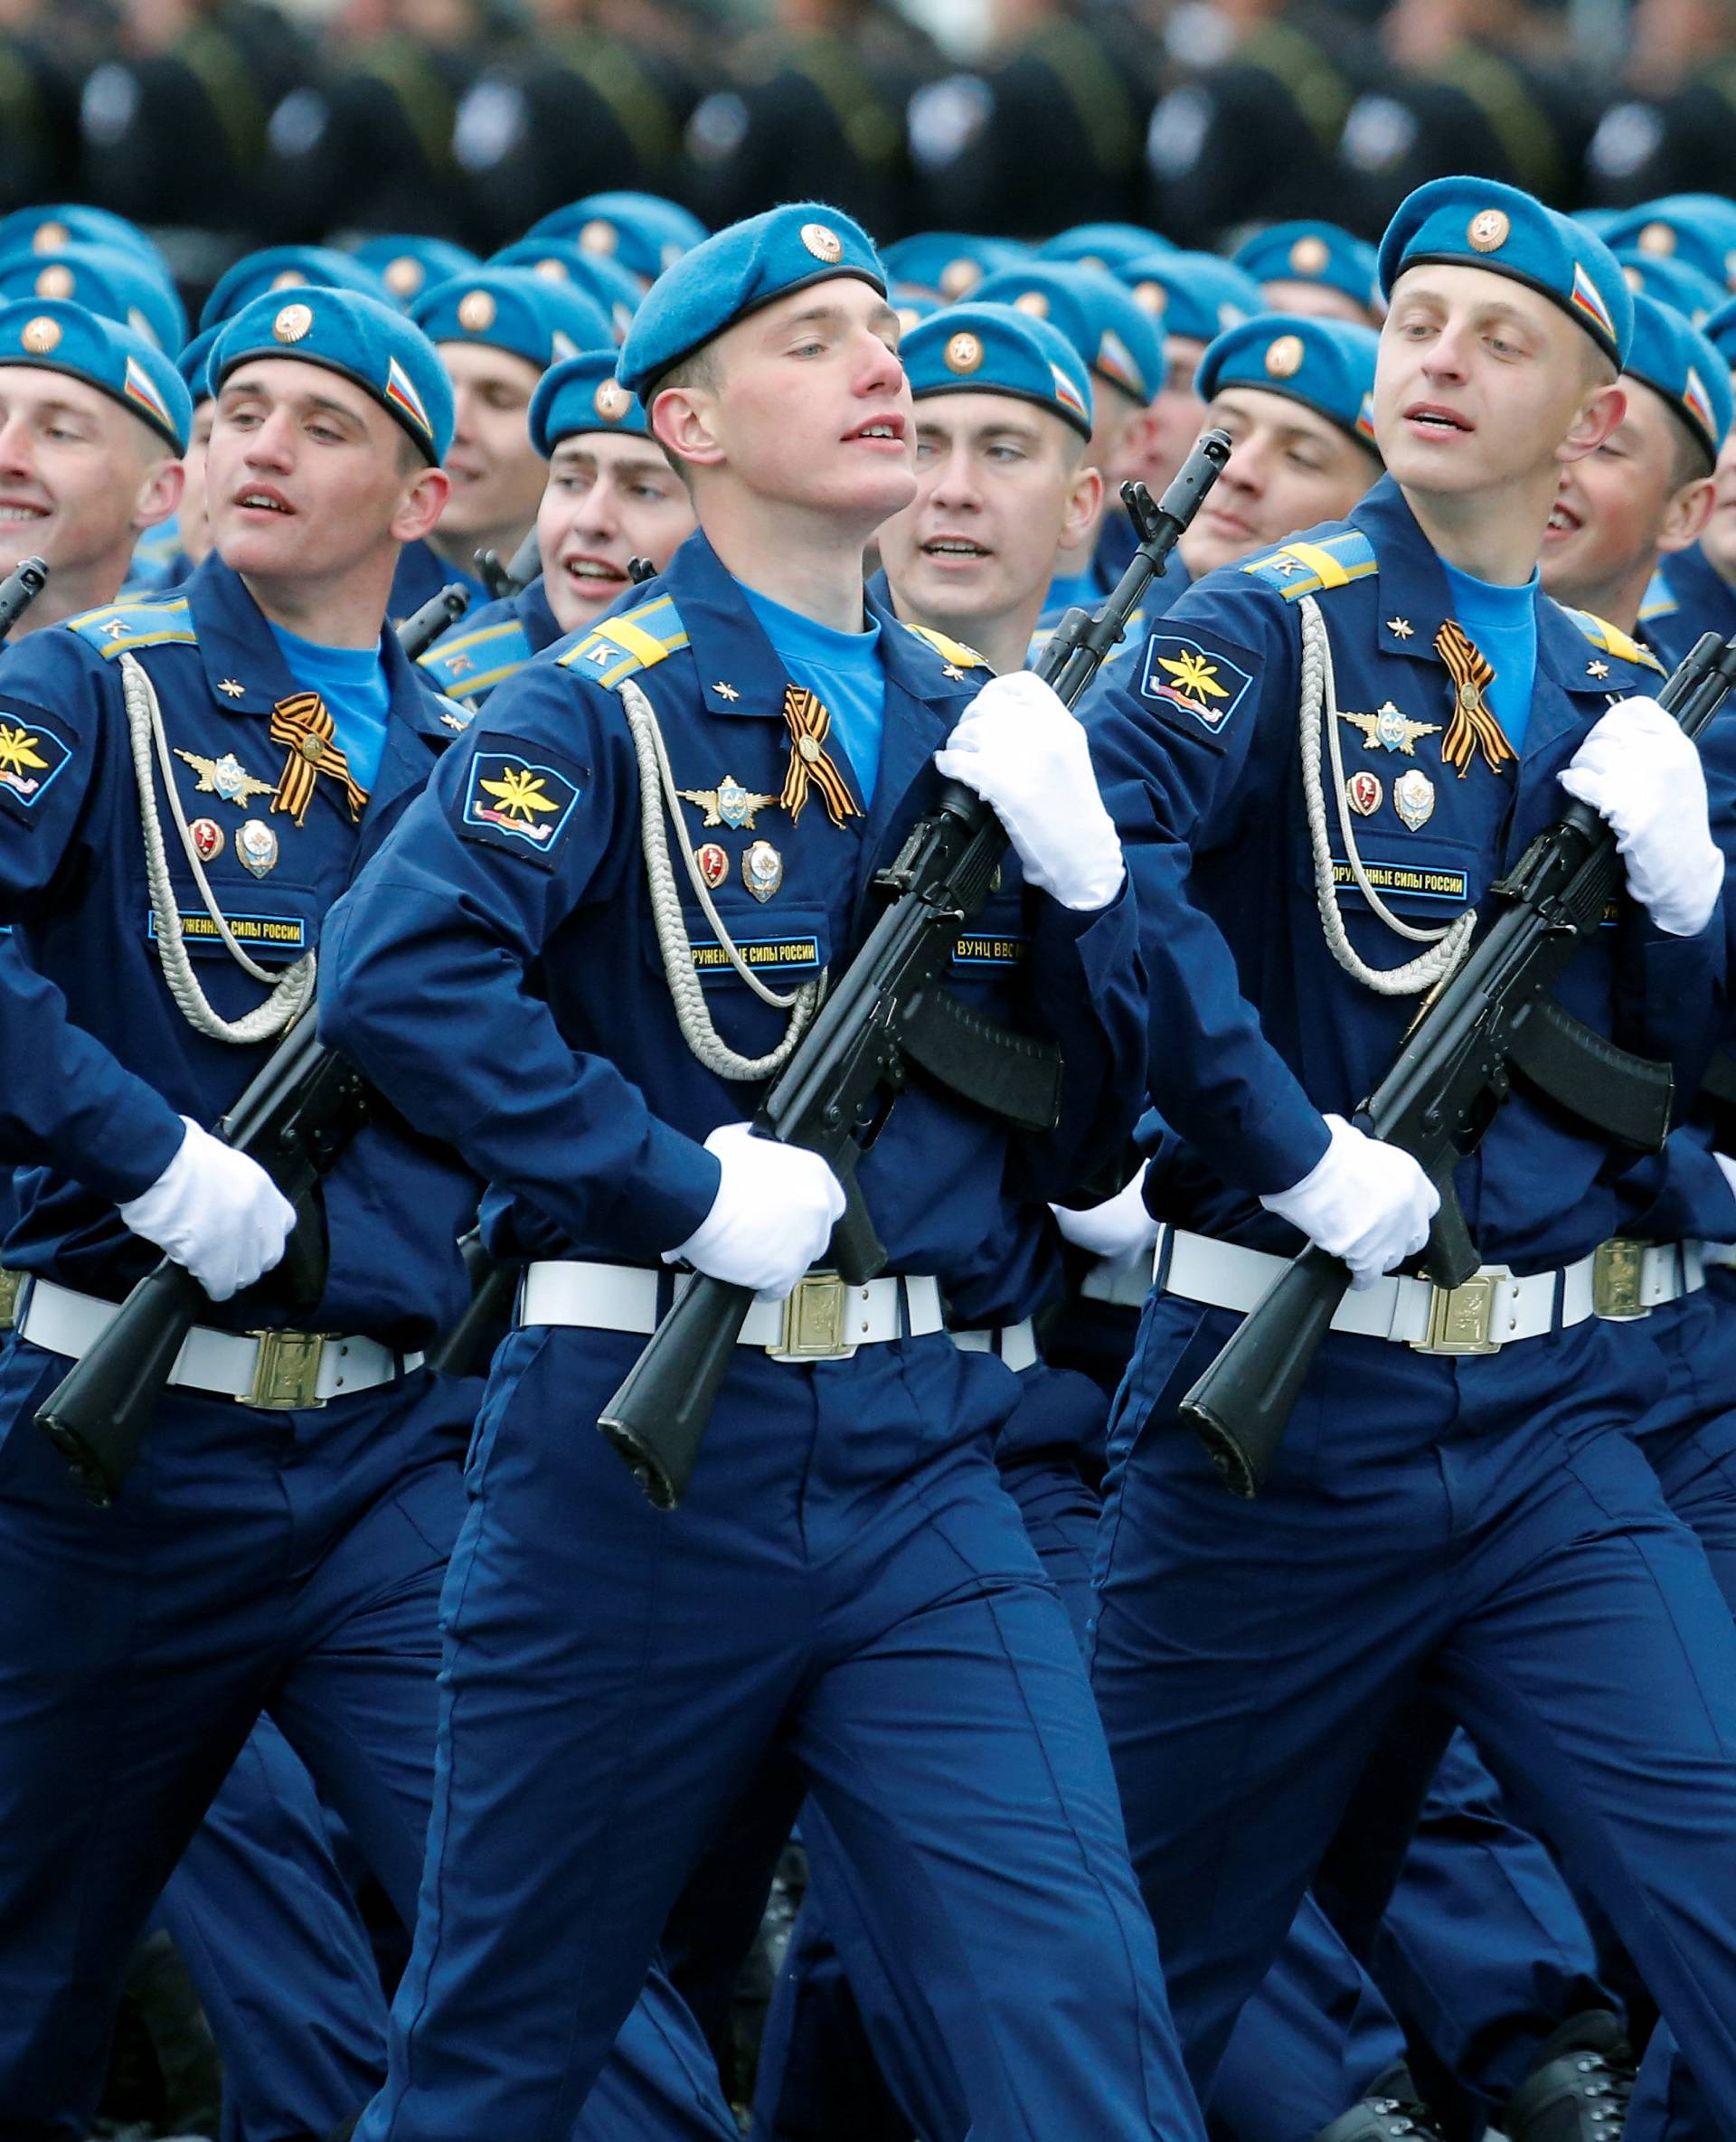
(420, 503)
(1685, 517)
(684, 420)
(1602, 410)
(1084, 503)
(159, 493)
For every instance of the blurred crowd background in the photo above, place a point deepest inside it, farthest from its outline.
(223, 125)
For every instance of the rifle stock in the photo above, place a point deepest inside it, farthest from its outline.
(1448, 1081)
(658, 1417)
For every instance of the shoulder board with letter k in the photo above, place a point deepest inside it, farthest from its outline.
(1310, 567)
(618, 646)
(123, 626)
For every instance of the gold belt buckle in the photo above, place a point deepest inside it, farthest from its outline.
(286, 1377)
(10, 1284)
(814, 1321)
(1618, 1277)
(1461, 1319)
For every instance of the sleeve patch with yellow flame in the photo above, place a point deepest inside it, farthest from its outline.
(1201, 680)
(31, 756)
(520, 796)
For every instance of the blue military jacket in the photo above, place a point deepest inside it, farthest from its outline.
(490, 644)
(1255, 1029)
(496, 968)
(421, 573)
(99, 1062)
(1686, 598)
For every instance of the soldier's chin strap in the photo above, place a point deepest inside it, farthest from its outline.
(657, 793)
(291, 990)
(1319, 708)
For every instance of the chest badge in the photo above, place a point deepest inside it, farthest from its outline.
(729, 803)
(1413, 798)
(257, 845)
(226, 778)
(713, 865)
(763, 870)
(231, 688)
(1364, 791)
(1597, 669)
(1387, 730)
(207, 838)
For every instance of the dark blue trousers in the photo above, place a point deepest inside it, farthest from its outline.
(845, 1578)
(1479, 1529)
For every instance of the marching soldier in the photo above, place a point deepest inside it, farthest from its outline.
(846, 1580)
(1516, 1544)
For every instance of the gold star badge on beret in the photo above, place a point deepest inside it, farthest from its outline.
(1657, 238)
(959, 275)
(1035, 302)
(1309, 255)
(48, 237)
(1284, 356)
(823, 242)
(288, 278)
(40, 335)
(1488, 230)
(403, 276)
(475, 311)
(964, 353)
(598, 236)
(292, 322)
(1150, 298)
(57, 280)
(610, 402)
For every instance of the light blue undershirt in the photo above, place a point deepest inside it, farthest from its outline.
(1502, 624)
(351, 681)
(843, 670)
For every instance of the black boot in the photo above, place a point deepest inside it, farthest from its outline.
(1579, 2086)
(1392, 2111)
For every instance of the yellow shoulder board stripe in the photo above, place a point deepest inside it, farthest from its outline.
(949, 650)
(620, 645)
(1613, 640)
(123, 626)
(1308, 568)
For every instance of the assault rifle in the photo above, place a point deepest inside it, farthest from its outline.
(423, 627)
(514, 577)
(887, 1017)
(301, 1107)
(19, 590)
(1493, 1021)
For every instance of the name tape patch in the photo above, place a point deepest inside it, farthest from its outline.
(1420, 881)
(984, 950)
(767, 954)
(267, 933)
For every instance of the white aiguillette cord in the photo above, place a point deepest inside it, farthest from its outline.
(657, 792)
(290, 990)
(1319, 707)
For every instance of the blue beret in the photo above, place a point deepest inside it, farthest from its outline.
(1478, 222)
(606, 284)
(54, 335)
(1697, 228)
(1672, 357)
(120, 286)
(911, 303)
(1103, 245)
(193, 363)
(748, 265)
(1311, 252)
(995, 349)
(51, 230)
(1720, 331)
(1326, 365)
(581, 393)
(509, 308)
(1195, 296)
(409, 266)
(365, 339)
(951, 263)
(1671, 282)
(1096, 315)
(286, 267)
(643, 232)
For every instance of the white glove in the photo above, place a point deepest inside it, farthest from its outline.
(1366, 1202)
(214, 1211)
(771, 1218)
(1641, 774)
(1024, 753)
(1119, 1227)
